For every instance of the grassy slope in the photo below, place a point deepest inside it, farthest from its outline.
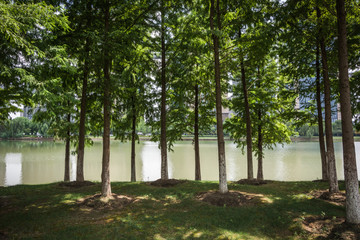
(50, 212)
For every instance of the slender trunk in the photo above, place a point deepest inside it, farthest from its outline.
(250, 169)
(324, 163)
(196, 135)
(67, 151)
(260, 175)
(82, 130)
(350, 168)
(133, 169)
(223, 188)
(105, 175)
(333, 183)
(163, 144)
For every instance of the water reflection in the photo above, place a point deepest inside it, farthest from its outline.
(151, 164)
(43, 162)
(13, 174)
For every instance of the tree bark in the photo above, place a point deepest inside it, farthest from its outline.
(67, 151)
(223, 188)
(82, 129)
(324, 164)
(250, 168)
(163, 144)
(333, 183)
(260, 174)
(133, 154)
(196, 135)
(350, 168)
(105, 175)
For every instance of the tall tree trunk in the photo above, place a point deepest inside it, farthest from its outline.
(333, 183)
(133, 169)
(196, 135)
(324, 164)
(105, 175)
(350, 169)
(67, 151)
(163, 144)
(260, 175)
(250, 169)
(223, 188)
(82, 130)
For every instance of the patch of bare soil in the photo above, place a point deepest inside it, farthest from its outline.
(322, 227)
(3, 236)
(76, 184)
(97, 202)
(333, 198)
(231, 198)
(320, 181)
(252, 181)
(166, 183)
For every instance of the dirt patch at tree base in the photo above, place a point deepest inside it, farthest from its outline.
(231, 198)
(97, 202)
(166, 183)
(76, 184)
(252, 181)
(323, 227)
(333, 198)
(3, 236)
(320, 181)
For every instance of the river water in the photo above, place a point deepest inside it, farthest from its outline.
(32, 162)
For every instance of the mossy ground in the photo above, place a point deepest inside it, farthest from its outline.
(53, 211)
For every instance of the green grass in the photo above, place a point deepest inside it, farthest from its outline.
(50, 212)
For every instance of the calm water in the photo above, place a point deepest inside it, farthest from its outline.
(43, 162)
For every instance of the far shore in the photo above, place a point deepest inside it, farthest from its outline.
(184, 138)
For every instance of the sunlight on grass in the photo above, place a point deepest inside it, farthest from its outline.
(192, 234)
(171, 199)
(301, 196)
(158, 237)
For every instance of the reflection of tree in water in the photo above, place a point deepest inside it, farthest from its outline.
(2, 166)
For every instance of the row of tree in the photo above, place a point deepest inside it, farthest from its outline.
(94, 64)
(23, 127)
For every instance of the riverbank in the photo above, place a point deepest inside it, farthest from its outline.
(185, 138)
(55, 211)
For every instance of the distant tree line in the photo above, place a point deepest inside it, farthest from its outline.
(23, 127)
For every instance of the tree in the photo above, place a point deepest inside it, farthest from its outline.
(133, 85)
(306, 20)
(215, 28)
(324, 163)
(330, 152)
(247, 118)
(272, 108)
(83, 107)
(18, 23)
(105, 174)
(55, 97)
(167, 38)
(350, 168)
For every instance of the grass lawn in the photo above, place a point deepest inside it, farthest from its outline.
(52, 212)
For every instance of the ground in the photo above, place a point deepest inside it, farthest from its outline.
(76, 184)
(231, 198)
(253, 181)
(185, 210)
(166, 182)
(324, 227)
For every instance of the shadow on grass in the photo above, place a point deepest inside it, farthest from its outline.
(48, 211)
